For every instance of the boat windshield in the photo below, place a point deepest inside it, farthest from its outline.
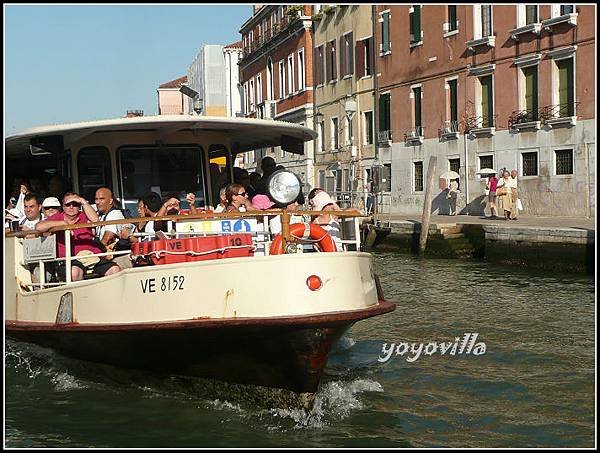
(162, 169)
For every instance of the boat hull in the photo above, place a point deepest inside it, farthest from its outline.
(281, 352)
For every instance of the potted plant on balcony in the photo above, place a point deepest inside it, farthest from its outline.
(294, 11)
(329, 9)
(317, 16)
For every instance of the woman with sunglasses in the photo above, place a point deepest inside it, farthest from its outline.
(237, 198)
(77, 209)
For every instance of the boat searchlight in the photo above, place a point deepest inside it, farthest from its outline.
(283, 187)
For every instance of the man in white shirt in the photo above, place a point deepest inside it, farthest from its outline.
(32, 206)
(105, 205)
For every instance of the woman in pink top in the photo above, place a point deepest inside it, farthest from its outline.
(76, 209)
(491, 186)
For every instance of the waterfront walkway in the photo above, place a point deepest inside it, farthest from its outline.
(523, 221)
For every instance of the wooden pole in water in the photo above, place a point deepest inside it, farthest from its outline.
(427, 205)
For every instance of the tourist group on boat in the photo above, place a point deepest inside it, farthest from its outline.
(34, 208)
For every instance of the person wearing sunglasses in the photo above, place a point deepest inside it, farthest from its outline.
(76, 210)
(237, 198)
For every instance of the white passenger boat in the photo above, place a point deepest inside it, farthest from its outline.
(215, 298)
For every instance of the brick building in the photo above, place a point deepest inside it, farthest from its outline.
(488, 86)
(276, 77)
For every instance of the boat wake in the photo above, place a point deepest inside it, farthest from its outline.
(335, 401)
(274, 409)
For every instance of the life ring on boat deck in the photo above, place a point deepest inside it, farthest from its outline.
(310, 231)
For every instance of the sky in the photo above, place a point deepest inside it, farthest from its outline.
(70, 63)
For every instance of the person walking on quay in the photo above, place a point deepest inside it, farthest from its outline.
(453, 196)
(491, 188)
(504, 195)
(512, 182)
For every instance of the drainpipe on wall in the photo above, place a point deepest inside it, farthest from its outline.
(375, 106)
(466, 160)
(587, 174)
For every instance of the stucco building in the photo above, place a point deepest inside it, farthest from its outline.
(344, 98)
(170, 100)
(483, 86)
(214, 75)
(277, 77)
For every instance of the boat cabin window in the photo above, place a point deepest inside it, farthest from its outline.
(220, 169)
(41, 168)
(93, 171)
(164, 170)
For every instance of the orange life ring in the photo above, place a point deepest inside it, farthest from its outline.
(312, 231)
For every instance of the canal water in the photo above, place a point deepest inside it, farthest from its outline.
(532, 387)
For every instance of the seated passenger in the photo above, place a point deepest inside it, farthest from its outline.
(148, 206)
(50, 206)
(222, 199)
(107, 211)
(237, 198)
(76, 209)
(329, 222)
(171, 206)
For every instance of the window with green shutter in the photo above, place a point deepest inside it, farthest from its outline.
(453, 85)
(385, 32)
(384, 112)
(531, 14)
(415, 24)
(487, 101)
(417, 96)
(453, 23)
(565, 87)
(531, 92)
(486, 20)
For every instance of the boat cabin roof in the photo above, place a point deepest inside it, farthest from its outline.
(243, 134)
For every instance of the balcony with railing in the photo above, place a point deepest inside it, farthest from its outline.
(384, 138)
(275, 30)
(481, 125)
(559, 114)
(524, 120)
(449, 131)
(414, 136)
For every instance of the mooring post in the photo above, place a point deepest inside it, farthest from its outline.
(427, 205)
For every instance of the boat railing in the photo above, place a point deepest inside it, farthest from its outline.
(262, 236)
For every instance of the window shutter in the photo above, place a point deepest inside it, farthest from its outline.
(342, 53)
(329, 63)
(359, 68)
(371, 43)
(350, 49)
(385, 32)
(316, 66)
(565, 87)
(417, 23)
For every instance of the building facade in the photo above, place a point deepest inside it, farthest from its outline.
(170, 100)
(214, 75)
(276, 78)
(488, 86)
(344, 99)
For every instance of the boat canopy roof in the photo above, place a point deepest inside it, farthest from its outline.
(243, 134)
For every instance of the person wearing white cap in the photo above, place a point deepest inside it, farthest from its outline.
(323, 202)
(51, 206)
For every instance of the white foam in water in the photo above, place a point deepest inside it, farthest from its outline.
(335, 400)
(345, 343)
(64, 382)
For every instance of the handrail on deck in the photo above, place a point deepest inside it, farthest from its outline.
(287, 237)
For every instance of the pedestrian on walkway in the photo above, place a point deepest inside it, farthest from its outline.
(504, 195)
(512, 182)
(452, 196)
(491, 188)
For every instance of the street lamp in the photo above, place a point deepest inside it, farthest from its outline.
(194, 95)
